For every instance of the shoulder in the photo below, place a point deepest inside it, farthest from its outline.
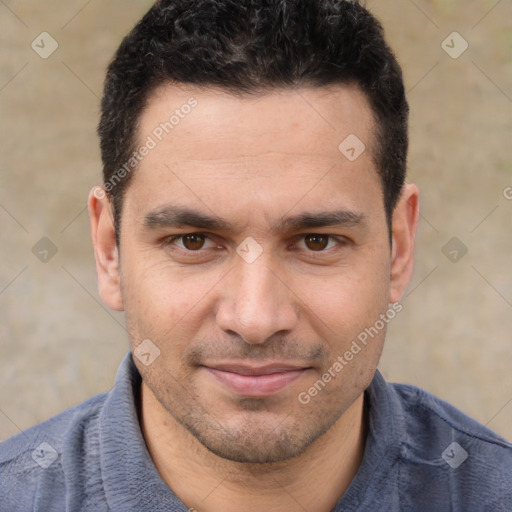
(448, 455)
(426, 412)
(38, 461)
(53, 431)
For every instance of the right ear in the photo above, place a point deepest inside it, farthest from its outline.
(106, 253)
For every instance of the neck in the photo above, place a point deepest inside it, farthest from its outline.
(314, 480)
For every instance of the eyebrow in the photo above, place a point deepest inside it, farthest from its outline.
(176, 217)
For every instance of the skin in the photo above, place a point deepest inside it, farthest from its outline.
(252, 161)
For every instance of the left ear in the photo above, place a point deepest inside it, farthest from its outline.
(405, 223)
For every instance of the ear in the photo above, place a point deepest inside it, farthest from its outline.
(405, 223)
(106, 253)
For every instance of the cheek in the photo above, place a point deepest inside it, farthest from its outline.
(351, 300)
(149, 295)
(161, 300)
(140, 286)
(349, 322)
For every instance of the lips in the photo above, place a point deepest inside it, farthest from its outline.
(252, 381)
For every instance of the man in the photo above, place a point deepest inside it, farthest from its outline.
(255, 227)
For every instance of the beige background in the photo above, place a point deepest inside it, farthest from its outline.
(60, 345)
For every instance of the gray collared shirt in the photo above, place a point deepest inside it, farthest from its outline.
(421, 454)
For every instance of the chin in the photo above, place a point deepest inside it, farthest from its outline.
(258, 441)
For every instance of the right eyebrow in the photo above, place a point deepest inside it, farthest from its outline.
(172, 216)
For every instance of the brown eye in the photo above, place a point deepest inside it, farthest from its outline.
(316, 242)
(193, 241)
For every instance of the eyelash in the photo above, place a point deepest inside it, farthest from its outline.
(169, 241)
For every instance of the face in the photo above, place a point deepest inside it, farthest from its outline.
(253, 253)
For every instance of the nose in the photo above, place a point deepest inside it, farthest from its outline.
(256, 303)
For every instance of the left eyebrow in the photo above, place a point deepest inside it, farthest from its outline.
(342, 218)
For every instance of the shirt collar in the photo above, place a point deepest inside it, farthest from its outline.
(384, 441)
(132, 482)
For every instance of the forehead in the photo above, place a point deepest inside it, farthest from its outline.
(250, 122)
(212, 146)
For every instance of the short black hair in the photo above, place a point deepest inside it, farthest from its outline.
(254, 46)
